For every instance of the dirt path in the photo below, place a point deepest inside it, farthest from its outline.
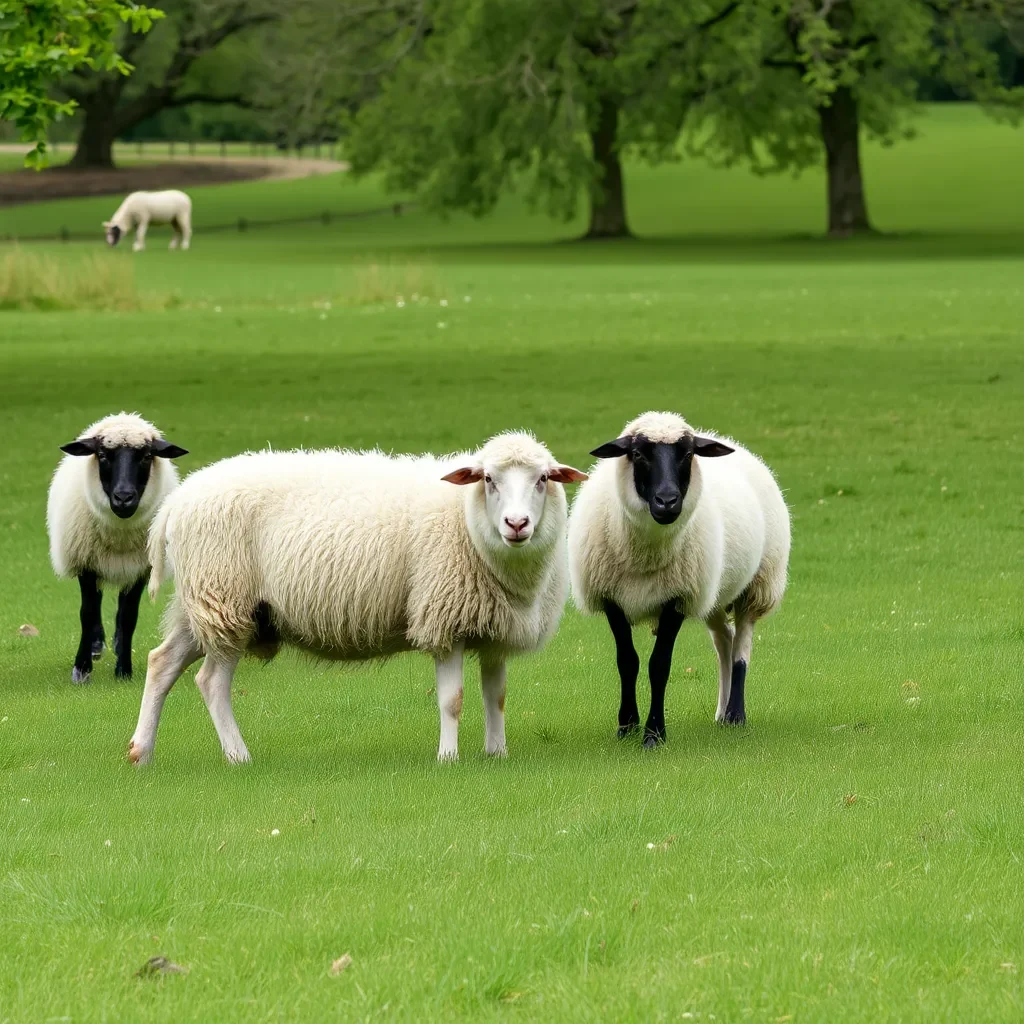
(157, 171)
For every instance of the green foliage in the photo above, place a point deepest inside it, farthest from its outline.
(879, 49)
(40, 43)
(506, 95)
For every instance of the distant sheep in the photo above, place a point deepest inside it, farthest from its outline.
(140, 209)
(357, 555)
(657, 534)
(103, 497)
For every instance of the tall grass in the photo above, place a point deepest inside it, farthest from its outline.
(384, 281)
(97, 281)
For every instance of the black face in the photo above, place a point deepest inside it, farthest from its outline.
(124, 471)
(113, 235)
(661, 471)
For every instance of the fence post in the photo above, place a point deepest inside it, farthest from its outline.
(223, 149)
(191, 147)
(325, 217)
(65, 235)
(138, 147)
(243, 224)
(170, 148)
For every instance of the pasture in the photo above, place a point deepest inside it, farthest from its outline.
(853, 854)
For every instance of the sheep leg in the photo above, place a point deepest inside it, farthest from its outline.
(214, 682)
(722, 634)
(492, 682)
(90, 645)
(736, 712)
(166, 663)
(140, 235)
(124, 632)
(659, 668)
(628, 664)
(449, 701)
(175, 234)
(185, 226)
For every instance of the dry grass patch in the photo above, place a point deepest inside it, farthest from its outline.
(386, 282)
(97, 281)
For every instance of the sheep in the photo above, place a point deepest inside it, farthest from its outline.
(657, 535)
(352, 556)
(103, 497)
(140, 209)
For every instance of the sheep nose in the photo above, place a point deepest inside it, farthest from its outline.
(517, 525)
(123, 496)
(668, 501)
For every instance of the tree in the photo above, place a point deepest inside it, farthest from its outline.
(542, 94)
(169, 72)
(41, 43)
(852, 67)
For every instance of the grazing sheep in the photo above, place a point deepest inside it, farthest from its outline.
(103, 497)
(357, 555)
(657, 534)
(140, 209)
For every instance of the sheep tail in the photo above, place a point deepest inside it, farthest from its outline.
(158, 550)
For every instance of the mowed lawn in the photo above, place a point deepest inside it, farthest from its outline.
(854, 854)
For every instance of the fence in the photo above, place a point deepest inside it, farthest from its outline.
(223, 149)
(242, 224)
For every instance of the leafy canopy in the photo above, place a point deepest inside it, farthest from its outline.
(42, 41)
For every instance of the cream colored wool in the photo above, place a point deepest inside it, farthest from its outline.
(360, 554)
(729, 545)
(84, 532)
(140, 209)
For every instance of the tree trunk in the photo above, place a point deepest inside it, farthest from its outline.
(96, 138)
(608, 201)
(840, 131)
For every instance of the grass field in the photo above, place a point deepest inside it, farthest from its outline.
(854, 854)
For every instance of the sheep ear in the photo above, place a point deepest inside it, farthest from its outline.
(85, 446)
(465, 475)
(165, 450)
(709, 448)
(106, 223)
(613, 449)
(566, 475)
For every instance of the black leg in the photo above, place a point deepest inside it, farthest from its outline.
(659, 668)
(736, 711)
(92, 627)
(629, 667)
(127, 617)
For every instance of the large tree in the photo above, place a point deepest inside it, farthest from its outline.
(544, 95)
(41, 43)
(167, 76)
(834, 71)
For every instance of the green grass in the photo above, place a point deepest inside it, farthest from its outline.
(854, 854)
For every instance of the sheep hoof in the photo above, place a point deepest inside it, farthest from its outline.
(735, 718)
(447, 756)
(137, 754)
(122, 671)
(80, 675)
(237, 756)
(97, 649)
(652, 741)
(626, 730)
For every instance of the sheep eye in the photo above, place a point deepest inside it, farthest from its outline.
(487, 478)
(543, 478)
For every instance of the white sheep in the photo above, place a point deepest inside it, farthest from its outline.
(140, 209)
(357, 555)
(658, 535)
(103, 497)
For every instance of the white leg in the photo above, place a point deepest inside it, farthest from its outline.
(492, 682)
(214, 682)
(174, 237)
(165, 664)
(722, 636)
(449, 700)
(736, 712)
(185, 223)
(140, 236)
